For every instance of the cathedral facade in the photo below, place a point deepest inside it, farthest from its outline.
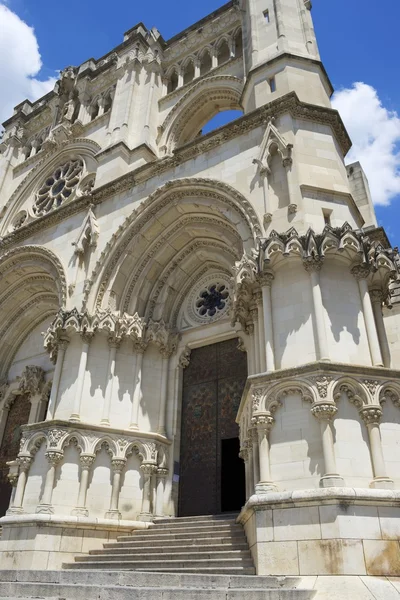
(191, 323)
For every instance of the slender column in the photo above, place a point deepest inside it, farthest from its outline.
(245, 456)
(75, 415)
(250, 354)
(139, 348)
(117, 465)
(149, 103)
(371, 415)
(266, 280)
(376, 301)
(361, 273)
(264, 423)
(251, 467)
(324, 413)
(54, 458)
(180, 78)
(86, 461)
(24, 463)
(36, 401)
(161, 475)
(256, 456)
(196, 68)
(256, 353)
(114, 345)
(260, 322)
(3, 420)
(313, 267)
(148, 471)
(62, 347)
(164, 390)
(13, 480)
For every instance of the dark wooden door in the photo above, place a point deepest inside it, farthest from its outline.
(18, 415)
(213, 384)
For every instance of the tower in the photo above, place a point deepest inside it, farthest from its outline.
(200, 296)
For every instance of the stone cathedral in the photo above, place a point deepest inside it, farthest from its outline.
(199, 332)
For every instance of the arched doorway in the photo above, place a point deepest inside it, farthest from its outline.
(18, 415)
(212, 476)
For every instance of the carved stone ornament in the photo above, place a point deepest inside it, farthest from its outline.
(273, 142)
(371, 415)
(324, 411)
(54, 436)
(24, 463)
(159, 334)
(184, 359)
(209, 299)
(86, 460)
(88, 234)
(263, 421)
(322, 383)
(257, 397)
(54, 458)
(148, 468)
(58, 187)
(32, 380)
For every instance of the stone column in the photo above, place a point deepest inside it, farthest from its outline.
(62, 347)
(361, 273)
(245, 456)
(3, 420)
(13, 480)
(196, 68)
(36, 404)
(313, 267)
(117, 465)
(148, 470)
(86, 461)
(163, 391)
(251, 357)
(371, 415)
(264, 423)
(114, 345)
(161, 475)
(260, 323)
(256, 352)
(324, 412)
(266, 280)
(376, 296)
(75, 415)
(24, 463)
(53, 458)
(137, 385)
(256, 456)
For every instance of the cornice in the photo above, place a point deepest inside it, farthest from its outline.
(289, 103)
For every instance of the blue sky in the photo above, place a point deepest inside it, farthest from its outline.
(358, 41)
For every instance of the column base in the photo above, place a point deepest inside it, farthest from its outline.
(382, 483)
(104, 422)
(146, 517)
(162, 431)
(15, 510)
(46, 509)
(333, 480)
(113, 514)
(80, 512)
(134, 427)
(265, 486)
(74, 418)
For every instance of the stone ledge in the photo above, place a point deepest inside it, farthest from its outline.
(71, 522)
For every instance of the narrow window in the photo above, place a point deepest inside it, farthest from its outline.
(327, 216)
(266, 16)
(272, 84)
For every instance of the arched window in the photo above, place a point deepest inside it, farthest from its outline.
(188, 74)
(94, 109)
(27, 151)
(238, 44)
(205, 63)
(223, 53)
(77, 108)
(108, 102)
(173, 82)
(222, 118)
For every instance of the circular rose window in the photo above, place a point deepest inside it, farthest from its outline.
(212, 300)
(58, 187)
(209, 299)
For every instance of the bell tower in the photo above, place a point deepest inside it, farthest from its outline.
(281, 53)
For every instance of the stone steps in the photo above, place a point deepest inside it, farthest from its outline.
(187, 549)
(78, 585)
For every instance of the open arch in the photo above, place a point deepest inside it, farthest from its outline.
(202, 102)
(202, 220)
(33, 287)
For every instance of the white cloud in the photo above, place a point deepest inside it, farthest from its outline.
(19, 63)
(375, 133)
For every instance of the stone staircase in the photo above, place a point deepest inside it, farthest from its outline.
(193, 558)
(210, 544)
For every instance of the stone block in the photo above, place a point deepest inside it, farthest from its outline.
(331, 557)
(389, 519)
(382, 557)
(277, 558)
(296, 523)
(358, 522)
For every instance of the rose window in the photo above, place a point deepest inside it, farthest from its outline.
(58, 187)
(212, 300)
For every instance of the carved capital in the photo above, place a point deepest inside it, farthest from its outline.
(87, 337)
(118, 464)
(360, 272)
(377, 296)
(184, 358)
(148, 468)
(257, 296)
(324, 411)
(53, 457)
(13, 479)
(162, 472)
(313, 264)
(371, 415)
(265, 279)
(24, 463)
(87, 460)
(263, 421)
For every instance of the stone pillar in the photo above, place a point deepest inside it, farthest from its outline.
(245, 456)
(256, 456)
(86, 461)
(266, 280)
(180, 77)
(371, 415)
(361, 273)
(376, 296)
(117, 465)
(163, 391)
(148, 470)
(62, 347)
(256, 352)
(260, 323)
(53, 458)
(24, 463)
(13, 480)
(36, 404)
(196, 68)
(264, 423)
(313, 267)
(75, 415)
(161, 475)
(114, 345)
(324, 412)
(3, 420)
(137, 386)
(251, 353)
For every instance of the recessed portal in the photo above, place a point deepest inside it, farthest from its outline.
(211, 472)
